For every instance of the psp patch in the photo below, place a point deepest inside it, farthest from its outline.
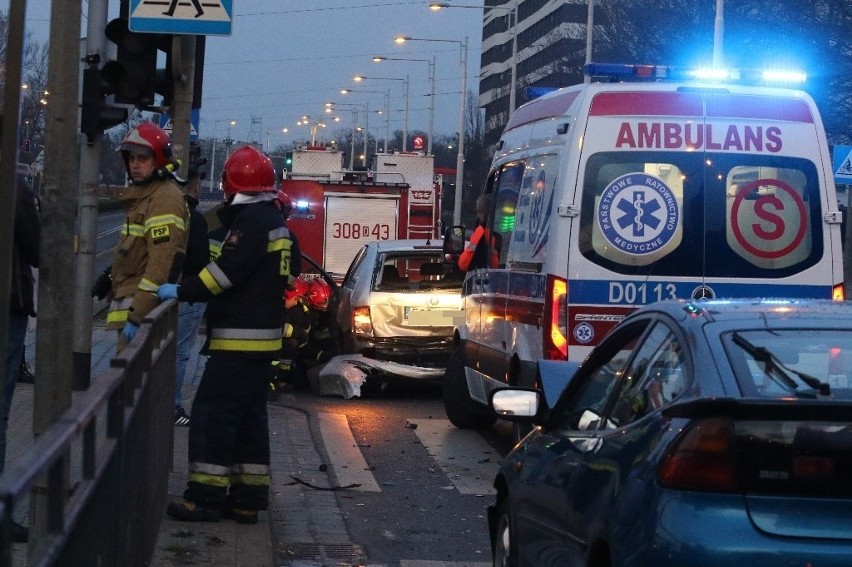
(160, 234)
(638, 213)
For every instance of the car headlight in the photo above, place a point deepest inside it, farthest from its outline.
(362, 324)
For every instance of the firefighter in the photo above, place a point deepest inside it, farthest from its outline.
(243, 287)
(297, 325)
(285, 205)
(152, 244)
(318, 346)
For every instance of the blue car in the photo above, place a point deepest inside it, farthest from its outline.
(698, 434)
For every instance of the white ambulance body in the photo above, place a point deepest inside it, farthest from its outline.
(613, 195)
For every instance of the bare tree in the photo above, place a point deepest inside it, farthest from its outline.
(34, 97)
(476, 157)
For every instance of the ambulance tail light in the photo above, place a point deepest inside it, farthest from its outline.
(555, 325)
(838, 292)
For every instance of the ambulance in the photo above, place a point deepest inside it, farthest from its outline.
(644, 184)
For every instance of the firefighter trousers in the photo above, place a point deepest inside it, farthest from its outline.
(229, 434)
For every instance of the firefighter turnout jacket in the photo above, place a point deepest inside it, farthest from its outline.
(150, 250)
(241, 284)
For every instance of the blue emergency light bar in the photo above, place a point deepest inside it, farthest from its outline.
(622, 72)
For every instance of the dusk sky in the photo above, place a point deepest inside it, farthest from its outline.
(286, 58)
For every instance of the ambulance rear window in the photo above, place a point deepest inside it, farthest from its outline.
(701, 214)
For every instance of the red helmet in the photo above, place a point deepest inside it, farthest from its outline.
(284, 203)
(148, 138)
(247, 171)
(298, 288)
(319, 294)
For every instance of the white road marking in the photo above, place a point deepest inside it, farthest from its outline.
(346, 459)
(469, 462)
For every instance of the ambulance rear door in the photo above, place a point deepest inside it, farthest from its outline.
(691, 192)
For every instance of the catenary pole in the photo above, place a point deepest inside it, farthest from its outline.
(9, 160)
(90, 158)
(183, 67)
(54, 338)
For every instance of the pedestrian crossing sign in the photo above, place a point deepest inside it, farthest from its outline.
(843, 165)
(192, 17)
(167, 124)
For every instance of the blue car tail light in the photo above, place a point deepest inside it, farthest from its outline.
(702, 458)
(790, 457)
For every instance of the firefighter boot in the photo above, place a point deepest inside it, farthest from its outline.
(187, 511)
(240, 515)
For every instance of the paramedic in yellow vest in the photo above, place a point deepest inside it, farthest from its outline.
(243, 286)
(152, 244)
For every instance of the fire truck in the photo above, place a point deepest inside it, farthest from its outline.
(336, 211)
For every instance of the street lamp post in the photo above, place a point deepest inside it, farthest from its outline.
(379, 58)
(513, 14)
(359, 78)
(460, 156)
(213, 152)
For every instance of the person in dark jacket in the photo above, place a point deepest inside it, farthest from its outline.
(21, 305)
(189, 313)
(229, 429)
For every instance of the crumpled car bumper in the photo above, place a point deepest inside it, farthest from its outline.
(344, 374)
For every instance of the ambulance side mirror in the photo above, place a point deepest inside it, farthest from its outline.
(453, 243)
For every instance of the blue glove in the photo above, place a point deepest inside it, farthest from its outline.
(129, 331)
(167, 291)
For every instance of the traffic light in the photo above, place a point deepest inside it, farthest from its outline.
(95, 115)
(196, 162)
(288, 161)
(133, 76)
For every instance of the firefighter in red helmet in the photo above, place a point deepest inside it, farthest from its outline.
(152, 243)
(297, 320)
(318, 347)
(243, 287)
(319, 294)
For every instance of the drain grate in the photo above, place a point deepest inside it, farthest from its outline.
(321, 552)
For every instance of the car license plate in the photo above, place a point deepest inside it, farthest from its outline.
(431, 317)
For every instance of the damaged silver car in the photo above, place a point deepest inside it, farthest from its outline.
(397, 308)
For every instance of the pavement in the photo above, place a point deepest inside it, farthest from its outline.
(303, 527)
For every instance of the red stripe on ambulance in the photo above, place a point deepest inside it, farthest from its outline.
(690, 104)
(647, 104)
(758, 108)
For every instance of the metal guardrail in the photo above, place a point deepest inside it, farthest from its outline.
(97, 480)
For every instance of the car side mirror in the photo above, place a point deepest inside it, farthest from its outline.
(453, 243)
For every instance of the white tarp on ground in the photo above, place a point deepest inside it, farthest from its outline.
(345, 374)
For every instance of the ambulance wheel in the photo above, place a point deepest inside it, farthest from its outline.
(462, 411)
